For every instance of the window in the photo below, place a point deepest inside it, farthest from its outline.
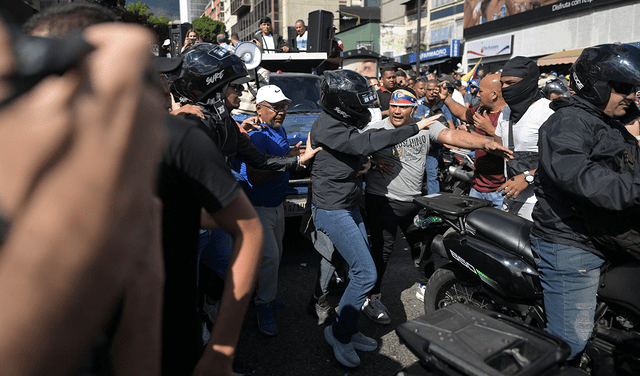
(441, 3)
(441, 35)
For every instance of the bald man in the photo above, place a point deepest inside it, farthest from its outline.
(489, 169)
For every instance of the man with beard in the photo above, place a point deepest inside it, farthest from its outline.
(526, 112)
(588, 188)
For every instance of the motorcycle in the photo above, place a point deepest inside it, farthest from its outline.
(456, 172)
(490, 266)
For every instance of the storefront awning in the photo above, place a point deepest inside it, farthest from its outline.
(564, 57)
(435, 62)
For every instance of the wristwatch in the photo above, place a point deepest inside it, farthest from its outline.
(528, 177)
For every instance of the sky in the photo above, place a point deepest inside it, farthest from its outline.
(169, 8)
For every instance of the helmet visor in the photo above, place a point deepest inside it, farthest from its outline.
(368, 98)
(623, 87)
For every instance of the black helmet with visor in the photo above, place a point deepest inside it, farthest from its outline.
(599, 69)
(347, 96)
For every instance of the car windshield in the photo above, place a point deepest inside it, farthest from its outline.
(304, 92)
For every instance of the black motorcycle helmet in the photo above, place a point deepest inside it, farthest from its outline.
(347, 96)
(600, 67)
(557, 86)
(207, 69)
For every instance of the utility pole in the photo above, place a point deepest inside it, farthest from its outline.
(418, 43)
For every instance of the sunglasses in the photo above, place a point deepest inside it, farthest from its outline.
(281, 108)
(623, 88)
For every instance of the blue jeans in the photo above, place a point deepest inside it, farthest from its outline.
(570, 278)
(432, 184)
(494, 197)
(215, 250)
(346, 230)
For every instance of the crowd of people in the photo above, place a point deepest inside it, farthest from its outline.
(146, 198)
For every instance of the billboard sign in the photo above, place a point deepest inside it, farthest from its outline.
(489, 47)
(486, 16)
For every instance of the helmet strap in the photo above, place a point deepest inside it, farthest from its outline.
(216, 105)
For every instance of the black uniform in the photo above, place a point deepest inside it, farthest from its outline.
(193, 175)
(333, 176)
(233, 143)
(584, 179)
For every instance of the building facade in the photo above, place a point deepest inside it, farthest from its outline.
(192, 9)
(561, 26)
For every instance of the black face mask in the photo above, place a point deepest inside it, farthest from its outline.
(521, 95)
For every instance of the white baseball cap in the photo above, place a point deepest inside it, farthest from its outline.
(271, 94)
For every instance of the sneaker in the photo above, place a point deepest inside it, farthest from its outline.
(324, 311)
(266, 320)
(345, 353)
(277, 303)
(363, 343)
(376, 311)
(420, 293)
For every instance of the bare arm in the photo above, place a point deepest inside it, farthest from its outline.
(456, 108)
(473, 141)
(240, 220)
(82, 225)
(137, 342)
(206, 220)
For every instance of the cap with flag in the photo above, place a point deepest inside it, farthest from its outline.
(403, 98)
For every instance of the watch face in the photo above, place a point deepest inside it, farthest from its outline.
(528, 178)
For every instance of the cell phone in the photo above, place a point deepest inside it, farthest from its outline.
(193, 40)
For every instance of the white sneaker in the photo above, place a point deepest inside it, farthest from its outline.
(376, 311)
(420, 293)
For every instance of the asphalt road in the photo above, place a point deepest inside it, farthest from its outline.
(300, 347)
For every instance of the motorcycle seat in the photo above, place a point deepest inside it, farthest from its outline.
(507, 230)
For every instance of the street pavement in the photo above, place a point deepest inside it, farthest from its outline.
(300, 348)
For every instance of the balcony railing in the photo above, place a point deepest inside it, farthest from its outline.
(238, 6)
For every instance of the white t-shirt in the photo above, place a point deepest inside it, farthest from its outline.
(525, 134)
(269, 47)
(301, 41)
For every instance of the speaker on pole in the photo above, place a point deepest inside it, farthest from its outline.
(178, 35)
(320, 28)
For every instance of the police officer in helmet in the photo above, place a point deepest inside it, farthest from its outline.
(588, 188)
(346, 98)
(212, 78)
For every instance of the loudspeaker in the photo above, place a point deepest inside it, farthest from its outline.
(320, 25)
(291, 36)
(178, 35)
(250, 54)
